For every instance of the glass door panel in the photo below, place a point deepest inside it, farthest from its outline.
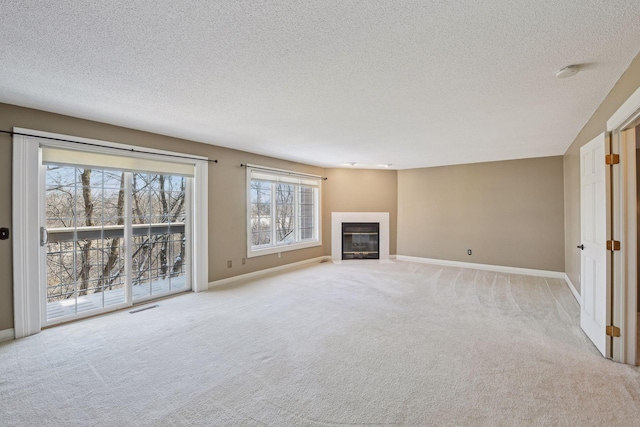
(159, 257)
(85, 249)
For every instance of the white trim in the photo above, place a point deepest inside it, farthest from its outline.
(252, 253)
(485, 267)
(273, 248)
(624, 288)
(288, 172)
(266, 271)
(26, 236)
(624, 113)
(628, 256)
(200, 229)
(572, 288)
(337, 218)
(128, 236)
(7, 335)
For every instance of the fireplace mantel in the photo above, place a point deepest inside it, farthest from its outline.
(337, 218)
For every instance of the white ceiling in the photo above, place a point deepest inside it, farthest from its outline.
(413, 83)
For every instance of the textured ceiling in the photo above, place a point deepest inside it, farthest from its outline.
(412, 83)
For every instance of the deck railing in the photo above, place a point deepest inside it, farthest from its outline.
(157, 253)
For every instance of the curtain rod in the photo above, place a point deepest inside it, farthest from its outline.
(268, 169)
(129, 150)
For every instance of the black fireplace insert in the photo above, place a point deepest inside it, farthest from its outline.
(360, 240)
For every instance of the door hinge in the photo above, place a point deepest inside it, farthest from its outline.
(612, 159)
(613, 331)
(613, 245)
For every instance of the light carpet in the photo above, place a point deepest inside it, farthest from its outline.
(327, 345)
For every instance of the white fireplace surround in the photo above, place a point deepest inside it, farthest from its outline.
(337, 218)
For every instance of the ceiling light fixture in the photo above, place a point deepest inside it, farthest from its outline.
(568, 71)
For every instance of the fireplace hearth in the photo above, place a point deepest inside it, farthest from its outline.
(360, 240)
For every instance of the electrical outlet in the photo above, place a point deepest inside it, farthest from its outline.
(468, 251)
(244, 261)
(229, 264)
(279, 254)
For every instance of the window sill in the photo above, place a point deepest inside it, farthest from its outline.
(252, 253)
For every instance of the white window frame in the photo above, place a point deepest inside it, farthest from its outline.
(287, 177)
(28, 215)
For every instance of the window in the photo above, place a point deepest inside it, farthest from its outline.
(283, 211)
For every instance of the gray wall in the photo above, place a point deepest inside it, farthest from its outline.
(622, 90)
(509, 213)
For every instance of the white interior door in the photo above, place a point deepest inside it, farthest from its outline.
(593, 230)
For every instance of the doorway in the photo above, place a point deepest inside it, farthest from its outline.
(616, 296)
(100, 226)
(622, 128)
(112, 237)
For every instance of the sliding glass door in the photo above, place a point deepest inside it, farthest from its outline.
(113, 238)
(100, 226)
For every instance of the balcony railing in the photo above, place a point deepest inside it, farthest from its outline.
(89, 275)
(111, 231)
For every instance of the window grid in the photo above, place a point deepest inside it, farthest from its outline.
(281, 214)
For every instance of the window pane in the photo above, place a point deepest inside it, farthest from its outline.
(285, 208)
(260, 231)
(260, 192)
(306, 213)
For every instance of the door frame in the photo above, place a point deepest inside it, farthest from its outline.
(625, 228)
(27, 212)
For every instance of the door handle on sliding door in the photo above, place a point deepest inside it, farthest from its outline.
(44, 236)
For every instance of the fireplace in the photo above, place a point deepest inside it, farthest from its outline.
(360, 240)
(339, 218)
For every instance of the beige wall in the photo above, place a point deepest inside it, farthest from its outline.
(357, 190)
(508, 213)
(626, 85)
(227, 235)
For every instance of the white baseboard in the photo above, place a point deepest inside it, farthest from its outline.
(7, 335)
(485, 267)
(267, 271)
(572, 288)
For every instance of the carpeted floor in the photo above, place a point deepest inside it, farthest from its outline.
(327, 345)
